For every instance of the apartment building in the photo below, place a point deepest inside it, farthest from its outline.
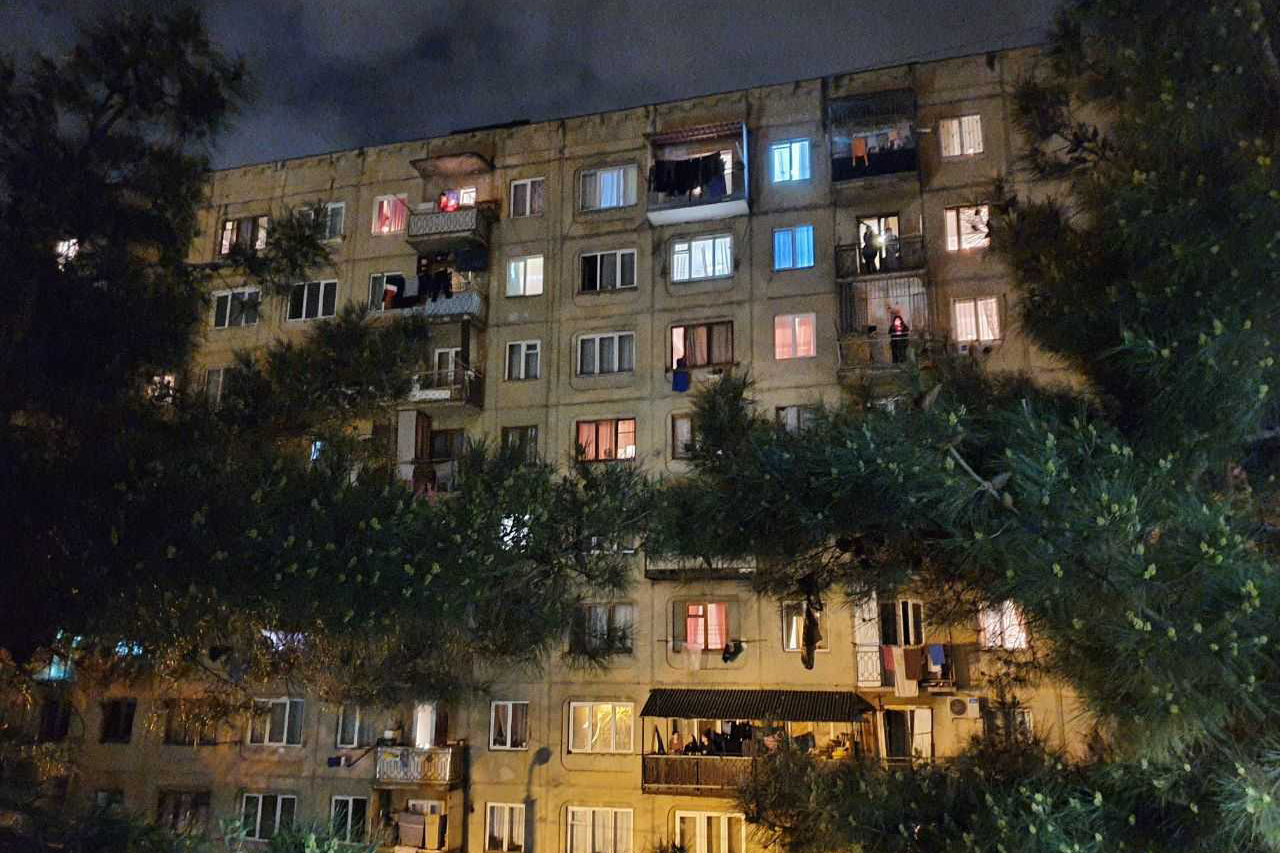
(582, 276)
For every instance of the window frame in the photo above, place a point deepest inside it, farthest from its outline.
(588, 815)
(288, 702)
(731, 613)
(1010, 628)
(795, 320)
(823, 644)
(198, 798)
(510, 706)
(963, 144)
(617, 270)
(527, 183)
(598, 422)
(791, 146)
(591, 706)
(627, 183)
(523, 262)
(677, 452)
(688, 243)
(350, 800)
(324, 285)
(509, 811)
(905, 624)
(229, 236)
(256, 833)
(341, 719)
(114, 728)
(804, 418)
(704, 819)
(528, 438)
(403, 198)
(526, 348)
(589, 640)
(382, 276)
(329, 207)
(713, 359)
(978, 319)
(953, 224)
(794, 232)
(594, 339)
(231, 293)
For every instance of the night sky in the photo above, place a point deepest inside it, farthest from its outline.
(334, 74)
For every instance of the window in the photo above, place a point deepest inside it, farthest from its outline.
(907, 733)
(448, 443)
(609, 352)
(608, 188)
(522, 359)
(790, 160)
(235, 308)
(1009, 724)
(702, 345)
(509, 725)
(700, 625)
(163, 388)
(467, 197)
(967, 227)
(793, 336)
(188, 723)
(793, 247)
(796, 419)
(522, 441)
(335, 218)
(215, 379)
(348, 816)
(603, 627)
(247, 232)
(348, 726)
(183, 811)
(524, 276)
(1003, 627)
(527, 197)
(793, 627)
(901, 623)
(702, 257)
(977, 319)
(600, 726)
(608, 270)
(311, 300)
(390, 213)
(710, 832)
(117, 720)
(66, 251)
(55, 719)
(614, 438)
(961, 136)
(504, 827)
(384, 289)
(682, 440)
(593, 830)
(108, 798)
(266, 814)
(276, 722)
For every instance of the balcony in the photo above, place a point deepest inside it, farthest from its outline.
(939, 672)
(699, 174)
(902, 255)
(459, 385)
(693, 568)
(442, 231)
(408, 766)
(873, 135)
(706, 775)
(868, 309)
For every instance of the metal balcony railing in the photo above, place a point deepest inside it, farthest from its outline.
(433, 230)
(459, 385)
(895, 256)
(692, 774)
(415, 766)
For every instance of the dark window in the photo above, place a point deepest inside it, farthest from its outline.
(313, 299)
(189, 723)
(55, 719)
(117, 720)
(183, 811)
(522, 441)
(448, 444)
(897, 734)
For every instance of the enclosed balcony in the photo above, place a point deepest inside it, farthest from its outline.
(884, 322)
(880, 254)
(699, 173)
(466, 228)
(695, 568)
(412, 766)
(873, 135)
(935, 667)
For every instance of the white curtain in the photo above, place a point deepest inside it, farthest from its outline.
(989, 319)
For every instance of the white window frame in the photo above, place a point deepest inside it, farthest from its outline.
(215, 380)
(617, 270)
(956, 218)
(704, 821)
(403, 199)
(798, 645)
(518, 278)
(1003, 627)
(677, 450)
(793, 154)
(592, 732)
(960, 136)
(907, 628)
(796, 418)
(613, 621)
(466, 197)
(512, 816)
(230, 294)
(342, 717)
(978, 320)
(329, 207)
(794, 232)
(593, 340)
(345, 835)
(795, 320)
(287, 701)
(509, 704)
(585, 816)
(684, 248)
(526, 348)
(617, 447)
(324, 285)
(255, 833)
(527, 183)
(628, 176)
(381, 303)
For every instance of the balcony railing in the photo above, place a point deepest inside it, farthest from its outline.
(459, 385)
(406, 765)
(693, 568)
(904, 253)
(934, 678)
(434, 231)
(694, 774)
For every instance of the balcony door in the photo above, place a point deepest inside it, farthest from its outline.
(424, 725)
(448, 360)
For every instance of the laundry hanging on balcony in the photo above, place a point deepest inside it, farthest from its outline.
(680, 177)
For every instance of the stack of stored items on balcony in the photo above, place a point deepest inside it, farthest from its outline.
(681, 177)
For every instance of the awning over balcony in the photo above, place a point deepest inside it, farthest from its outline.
(701, 133)
(818, 706)
(872, 109)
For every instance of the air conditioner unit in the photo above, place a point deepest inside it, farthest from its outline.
(965, 708)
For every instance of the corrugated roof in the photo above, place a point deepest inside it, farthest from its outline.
(698, 134)
(819, 706)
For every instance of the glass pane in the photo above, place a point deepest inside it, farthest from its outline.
(622, 832)
(236, 315)
(580, 728)
(966, 323)
(287, 806)
(724, 256)
(520, 199)
(533, 276)
(601, 830)
(531, 354)
(953, 229)
(680, 262)
(587, 439)
(735, 834)
(988, 319)
(717, 625)
(515, 278)
(341, 818)
(677, 346)
(249, 817)
(513, 361)
(608, 346)
(220, 306)
(493, 839)
(781, 162)
(519, 725)
(806, 345)
(276, 729)
(687, 832)
(722, 343)
(535, 197)
(329, 300)
(501, 713)
(605, 436)
(580, 831)
(800, 154)
(587, 356)
(782, 259)
(609, 271)
(590, 273)
(295, 721)
(359, 808)
(715, 830)
(627, 277)
(313, 300)
(602, 728)
(267, 820)
(347, 725)
(626, 352)
(804, 246)
(627, 439)
(624, 729)
(590, 193)
(784, 343)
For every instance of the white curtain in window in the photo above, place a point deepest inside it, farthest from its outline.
(971, 133)
(804, 246)
(782, 163)
(622, 831)
(626, 352)
(717, 625)
(580, 733)
(966, 321)
(601, 831)
(953, 229)
(988, 319)
(516, 833)
(806, 345)
(784, 337)
(703, 258)
(973, 227)
(782, 258)
(580, 831)
(724, 255)
(949, 130)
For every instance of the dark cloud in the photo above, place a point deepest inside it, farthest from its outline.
(342, 74)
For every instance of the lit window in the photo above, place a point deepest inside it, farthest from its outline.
(527, 197)
(348, 816)
(348, 735)
(504, 828)
(794, 336)
(793, 627)
(66, 250)
(601, 726)
(976, 320)
(701, 625)
(276, 722)
(701, 345)
(524, 276)
(1003, 627)
(793, 247)
(467, 197)
(614, 438)
(703, 257)
(610, 352)
(312, 299)
(509, 725)
(710, 832)
(603, 627)
(247, 232)
(608, 270)
(233, 308)
(961, 136)
(682, 440)
(266, 814)
(390, 213)
(967, 228)
(598, 830)
(163, 388)
(603, 189)
(790, 160)
(522, 359)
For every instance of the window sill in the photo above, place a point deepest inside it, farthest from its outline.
(590, 210)
(522, 379)
(794, 357)
(522, 295)
(792, 182)
(605, 374)
(493, 748)
(794, 269)
(627, 289)
(701, 280)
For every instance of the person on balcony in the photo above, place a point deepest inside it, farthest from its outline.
(892, 250)
(870, 250)
(899, 334)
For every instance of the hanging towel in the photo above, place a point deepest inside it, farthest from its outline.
(886, 657)
(902, 686)
(913, 658)
(936, 656)
(680, 380)
(860, 149)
